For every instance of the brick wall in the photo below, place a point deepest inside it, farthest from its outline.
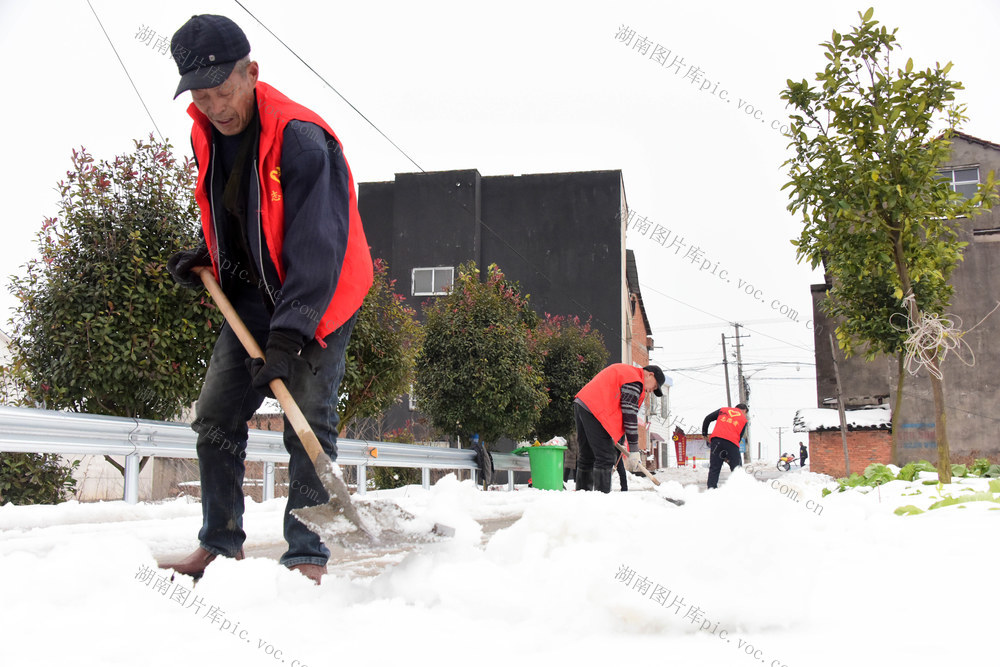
(826, 450)
(641, 342)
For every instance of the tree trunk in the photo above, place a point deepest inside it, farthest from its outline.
(940, 428)
(930, 359)
(897, 411)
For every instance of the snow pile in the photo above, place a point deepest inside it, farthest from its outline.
(557, 441)
(825, 419)
(761, 571)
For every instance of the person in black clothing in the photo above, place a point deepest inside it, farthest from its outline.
(730, 425)
(803, 455)
(606, 412)
(283, 236)
(622, 478)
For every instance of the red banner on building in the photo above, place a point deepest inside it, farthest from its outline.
(680, 447)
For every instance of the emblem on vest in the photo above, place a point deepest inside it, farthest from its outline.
(276, 177)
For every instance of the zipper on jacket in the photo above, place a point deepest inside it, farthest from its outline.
(261, 247)
(211, 208)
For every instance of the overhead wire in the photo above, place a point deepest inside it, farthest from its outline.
(598, 321)
(125, 69)
(531, 266)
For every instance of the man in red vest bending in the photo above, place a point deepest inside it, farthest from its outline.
(282, 234)
(606, 410)
(730, 423)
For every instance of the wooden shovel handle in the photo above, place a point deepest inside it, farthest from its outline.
(641, 467)
(288, 404)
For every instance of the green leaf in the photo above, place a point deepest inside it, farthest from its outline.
(910, 470)
(982, 496)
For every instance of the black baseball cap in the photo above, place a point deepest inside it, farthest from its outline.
(660, 378)
(206, 49)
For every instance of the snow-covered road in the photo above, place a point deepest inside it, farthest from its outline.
(754, 573)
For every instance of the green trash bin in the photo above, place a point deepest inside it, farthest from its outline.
(546, 466)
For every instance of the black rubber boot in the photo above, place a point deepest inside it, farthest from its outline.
(584, 480)
(602, 479)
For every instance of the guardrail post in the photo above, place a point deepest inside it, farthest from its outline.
(268, 491)
(362, 479)
(510, 480)
(132, 479)
(425, 478)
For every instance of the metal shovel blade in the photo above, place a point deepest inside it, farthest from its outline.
(338, 508)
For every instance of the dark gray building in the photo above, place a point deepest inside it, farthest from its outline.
(970, 391)
(560, 236)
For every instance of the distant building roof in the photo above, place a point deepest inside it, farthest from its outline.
(825, 419)
(977, 140)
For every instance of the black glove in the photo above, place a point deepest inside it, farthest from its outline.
(283, 360)
(180, 264)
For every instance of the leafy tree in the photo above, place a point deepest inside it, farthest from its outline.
(476, 372)
(30, 479)
(572, 354)
(381, 353)
(868, 144)
(101, 327)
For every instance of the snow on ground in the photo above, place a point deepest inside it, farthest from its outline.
(758, 572)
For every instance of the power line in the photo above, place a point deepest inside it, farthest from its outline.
(330, 86)
(720, 318)
(148, 113)
(531, 266)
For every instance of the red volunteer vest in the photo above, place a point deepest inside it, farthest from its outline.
(275, 111)
(729, 425)
(603, 396)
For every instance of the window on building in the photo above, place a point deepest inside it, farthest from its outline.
(991, 235)
(964, 180)
(434, 281)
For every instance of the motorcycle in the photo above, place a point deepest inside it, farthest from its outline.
(786, 461)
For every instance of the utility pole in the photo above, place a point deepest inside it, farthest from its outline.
(779, 429)
(725, 366)
(739, 366)
(743, 389)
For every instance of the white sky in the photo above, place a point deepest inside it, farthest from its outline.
(515, 88)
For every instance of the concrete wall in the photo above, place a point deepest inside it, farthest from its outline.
(971, 392)
(558, 235)
(863, 382)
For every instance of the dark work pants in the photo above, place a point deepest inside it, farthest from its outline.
(228, 401)
(597, 449)
(733, 457)
(622, 477)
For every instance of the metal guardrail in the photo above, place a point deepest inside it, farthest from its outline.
(51, 432)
